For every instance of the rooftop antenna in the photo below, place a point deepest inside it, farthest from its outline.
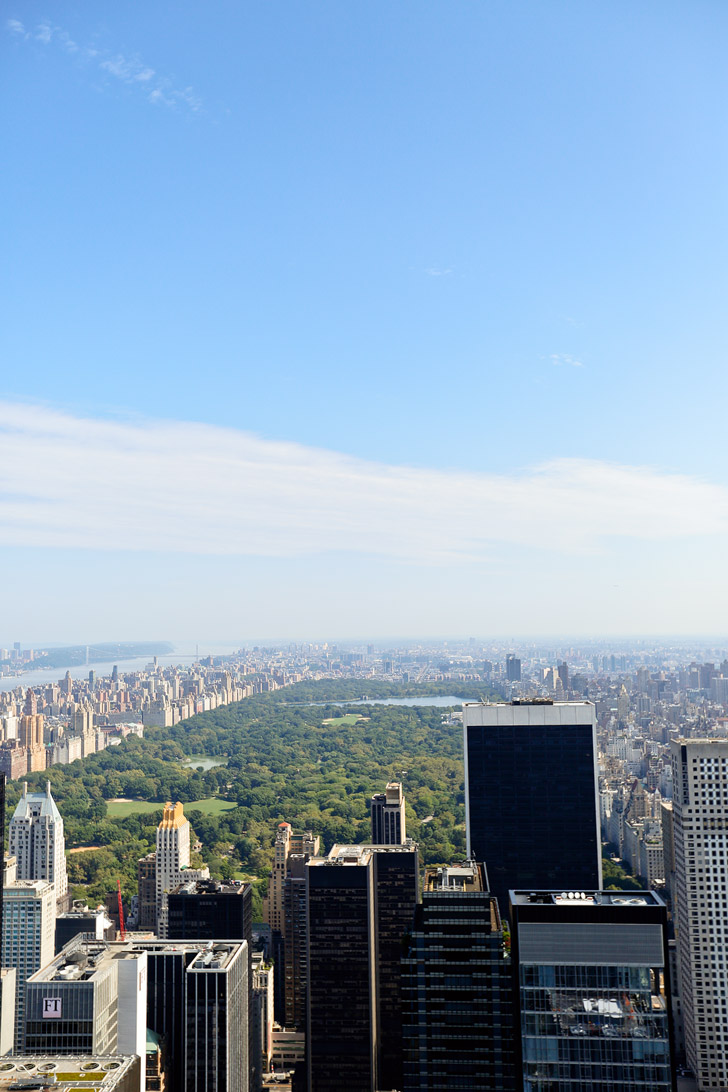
(122, 930)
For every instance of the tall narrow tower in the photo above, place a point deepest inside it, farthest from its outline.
(173, 859)
(388, 820)
(361, 902)
(700, 827)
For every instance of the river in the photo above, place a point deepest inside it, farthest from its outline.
(183, 655)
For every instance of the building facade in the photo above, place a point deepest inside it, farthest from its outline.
(457, 988)
(29, 915)
(361, 902)
(210, 910)
(217, 1051)
(203, 1020)
(389, 827)
(592, 977)
(531, 795)
(341, 995)
(37, 841)
(172, 859)
(700, 905)
(285, 949)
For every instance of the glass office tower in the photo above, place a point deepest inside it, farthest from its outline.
(593, 991)
(457, 1018)
(531, 795)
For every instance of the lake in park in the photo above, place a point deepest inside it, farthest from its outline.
(207, 763)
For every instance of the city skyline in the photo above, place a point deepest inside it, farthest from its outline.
(401, 319)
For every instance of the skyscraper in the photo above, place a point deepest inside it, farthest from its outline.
(97, 995)
(531, 795)
(700, 904)
(209, 910)
(217, 1020)
(361, 902)
(29, 917)
(287, 846)
(593, 1008)
(397, 881)
(2, 847)
(173, 859)
(513, 669)
(30, 733)
(193, 993)
(389, 826)
(342, 1004)
(456, 988)
(295, 942)
(37, 841)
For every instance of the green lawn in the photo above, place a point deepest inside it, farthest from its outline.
(211, 805)
(348, 719)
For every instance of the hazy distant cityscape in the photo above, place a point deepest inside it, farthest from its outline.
(636, 708)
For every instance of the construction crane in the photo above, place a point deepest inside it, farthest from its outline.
(122, 930)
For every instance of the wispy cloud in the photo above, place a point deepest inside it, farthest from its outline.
(179, 487)
(434, 271)
(158, 89)
(563, 359)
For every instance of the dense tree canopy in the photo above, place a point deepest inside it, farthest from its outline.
(283, 761)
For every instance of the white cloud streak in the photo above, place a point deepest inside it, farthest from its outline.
(559, 359)
(172, 486)
(158, 89)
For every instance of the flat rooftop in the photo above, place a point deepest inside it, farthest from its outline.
(466, 878)
(210, 887)
(540, 711)
(216, 957)
(342, 856)
(81, 959)
(65, 1073)
(580, 899)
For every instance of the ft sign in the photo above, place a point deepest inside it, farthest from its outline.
(52, 1008)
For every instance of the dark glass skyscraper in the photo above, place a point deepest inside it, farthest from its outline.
(457, 988)
(209, 910)
(531, 795)
(361, 902)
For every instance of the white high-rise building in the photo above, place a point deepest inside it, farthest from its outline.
(700, 824)
(173, 859)
(29, 920)
(36, 840)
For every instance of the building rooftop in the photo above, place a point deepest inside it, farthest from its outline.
(466, 878)
(42, 803)
(580, 899)
(84, 956)
(525, 701)
(210, 887)
(344, 855)
(63, 1073)
(539, 711)
(215, 957)
(173, 817)
(81, 959)
(21, 887)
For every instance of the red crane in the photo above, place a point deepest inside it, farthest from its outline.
(122, 930)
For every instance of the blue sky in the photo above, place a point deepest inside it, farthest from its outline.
(340, 291)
